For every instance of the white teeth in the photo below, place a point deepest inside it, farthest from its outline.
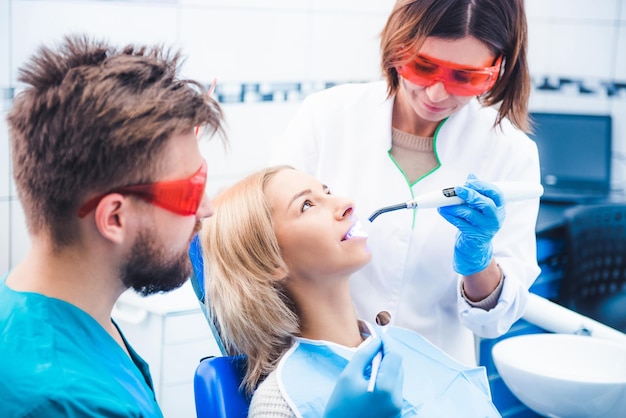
(356, 231)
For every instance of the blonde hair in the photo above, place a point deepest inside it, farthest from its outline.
(246, 296)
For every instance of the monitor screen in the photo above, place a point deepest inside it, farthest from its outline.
(574, 153)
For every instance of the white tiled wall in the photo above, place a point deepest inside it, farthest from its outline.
(584, 41)
(19, 238)
(251, 127)
(268, 54)
(235, 41)
(620, 55)
(4, 141)
(252, 46)
(4, 160)
(337, 53)
(34, 22)
(4, 43)
(5, 194)
(245, 44)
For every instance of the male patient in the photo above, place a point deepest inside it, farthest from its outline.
(111, 179)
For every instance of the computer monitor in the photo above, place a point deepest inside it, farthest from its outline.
(574, 155)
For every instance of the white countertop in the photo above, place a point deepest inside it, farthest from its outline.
(179, 300)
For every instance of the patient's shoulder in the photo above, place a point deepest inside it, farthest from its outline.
(267, 401)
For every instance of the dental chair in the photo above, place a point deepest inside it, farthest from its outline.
(217, 379)
(594, 280)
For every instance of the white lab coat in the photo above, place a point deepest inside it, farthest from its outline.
(342, 136)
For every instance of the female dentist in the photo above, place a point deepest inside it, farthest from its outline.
(452, 111)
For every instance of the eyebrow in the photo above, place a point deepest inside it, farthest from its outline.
(299, 195)
(304, 193)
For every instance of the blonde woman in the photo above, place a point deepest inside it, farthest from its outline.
(279, 252)
(453, 102)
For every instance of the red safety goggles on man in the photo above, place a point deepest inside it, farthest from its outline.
(179, 196)
(458, 80)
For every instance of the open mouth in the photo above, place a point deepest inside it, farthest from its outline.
(355, 231)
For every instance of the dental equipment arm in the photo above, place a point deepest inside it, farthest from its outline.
(511, 190)
(556, 318)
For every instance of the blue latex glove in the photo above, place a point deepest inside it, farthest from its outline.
(478, 220)
(350, 397)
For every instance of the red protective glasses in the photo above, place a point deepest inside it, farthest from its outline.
(179, 196)
(457, 79)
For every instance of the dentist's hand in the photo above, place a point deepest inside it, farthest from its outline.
(350, 397)
(478, 220)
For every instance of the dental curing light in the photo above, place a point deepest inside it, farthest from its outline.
(512, 191)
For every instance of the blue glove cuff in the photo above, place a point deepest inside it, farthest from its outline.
(467, 262)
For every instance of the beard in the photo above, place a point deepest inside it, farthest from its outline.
(150, 269)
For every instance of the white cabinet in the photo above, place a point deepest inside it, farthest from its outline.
(172, 334)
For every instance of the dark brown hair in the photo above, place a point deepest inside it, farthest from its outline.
(93, 117)
(500, 24)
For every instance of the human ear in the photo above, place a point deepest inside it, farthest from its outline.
(110, 217)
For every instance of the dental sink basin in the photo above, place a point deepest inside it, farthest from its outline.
(561, 375)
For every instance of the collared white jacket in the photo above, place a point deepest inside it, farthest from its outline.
(342, 136)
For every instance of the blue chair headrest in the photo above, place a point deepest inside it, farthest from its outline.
(197, 280)
(216, 388)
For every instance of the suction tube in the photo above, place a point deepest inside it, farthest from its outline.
(512, 191)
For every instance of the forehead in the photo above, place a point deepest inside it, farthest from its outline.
(467, 51)
(181, 157)
(286, 183)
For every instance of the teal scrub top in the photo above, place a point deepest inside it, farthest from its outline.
(57, 361)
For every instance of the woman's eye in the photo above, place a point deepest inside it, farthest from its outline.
(471, 77)
(462, 76)
(424, 68)
(306, 205)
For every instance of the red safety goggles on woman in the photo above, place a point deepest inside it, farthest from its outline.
(179, 196)
(458, 79)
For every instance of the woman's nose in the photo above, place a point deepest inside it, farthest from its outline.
(345, 208)
(205, 210)
(437, 92)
